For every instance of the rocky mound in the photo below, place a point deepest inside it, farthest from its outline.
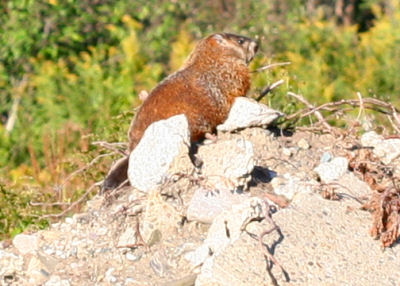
(261, 207)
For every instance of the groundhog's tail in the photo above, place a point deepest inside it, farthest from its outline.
(117, 175)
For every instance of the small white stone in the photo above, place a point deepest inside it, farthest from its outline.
(69, 220)
(332, 170)
(287, 152)
(26, 243)
(132, 257)
(303, 144)
(198, 256)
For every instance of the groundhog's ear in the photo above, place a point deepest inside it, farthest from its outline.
(218, 38)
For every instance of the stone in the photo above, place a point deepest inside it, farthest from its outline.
(159, 217)
(240, 263)
(26, 243)
(227, 164)
(225, 230)
(10, 265)
(289, 185)
(247, 112)
(57, 281)
(303, 144)
(127, 238)
(386, 149)
(328, 243)
(332, 170)
(205, 205)
(161, 143)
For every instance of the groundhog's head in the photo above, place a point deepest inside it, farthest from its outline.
(234, 46)
(224, 47)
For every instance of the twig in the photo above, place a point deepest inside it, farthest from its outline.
(269, 89)
(271, 66)
(72, 205)
(319, 116)
(352, 102)
(18, 90)
(112, 146)
(114, 192)
(49, 204)
(361, 105)
(84, 168)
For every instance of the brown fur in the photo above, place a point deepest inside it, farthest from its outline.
(203, 89)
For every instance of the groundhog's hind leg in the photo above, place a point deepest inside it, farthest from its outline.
(117, 175)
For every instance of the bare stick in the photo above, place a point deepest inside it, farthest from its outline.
(112, 146)
(269, 89)
(361, 105)
(369, 103)
(84, 168)
(319, 116)
(18, 90)
(272, 66)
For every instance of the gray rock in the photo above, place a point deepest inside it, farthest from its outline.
(227, 164)
(161, 143)
(332, 170)
(388, 150)
(326, 157)
(205, 206)
(246, 112)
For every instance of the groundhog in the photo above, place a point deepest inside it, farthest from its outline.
(204, 90)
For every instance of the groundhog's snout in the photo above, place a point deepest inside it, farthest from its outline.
(252, 50)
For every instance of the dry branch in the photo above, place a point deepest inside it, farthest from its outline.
(365, 103)
(269, 88)
(272, 66)
(319, 116)
(74, 204)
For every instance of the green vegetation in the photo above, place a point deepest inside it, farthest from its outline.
(70, 73)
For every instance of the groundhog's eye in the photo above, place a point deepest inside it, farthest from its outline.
(240, 41)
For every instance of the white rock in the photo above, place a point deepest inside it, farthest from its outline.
(227, 164)
(225, 230)
(205, 206)
(371, 139)
(303, 144)
(127, 238)
(388, 150)
(161, 143)
(332, 170)
(198, 256)
(289, 185)
(57, 281)
(26, 243)
(232, 222)
(247, 112)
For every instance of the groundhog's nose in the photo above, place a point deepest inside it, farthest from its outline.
(254, 45)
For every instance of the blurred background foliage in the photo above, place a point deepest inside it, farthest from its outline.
(70, 73)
